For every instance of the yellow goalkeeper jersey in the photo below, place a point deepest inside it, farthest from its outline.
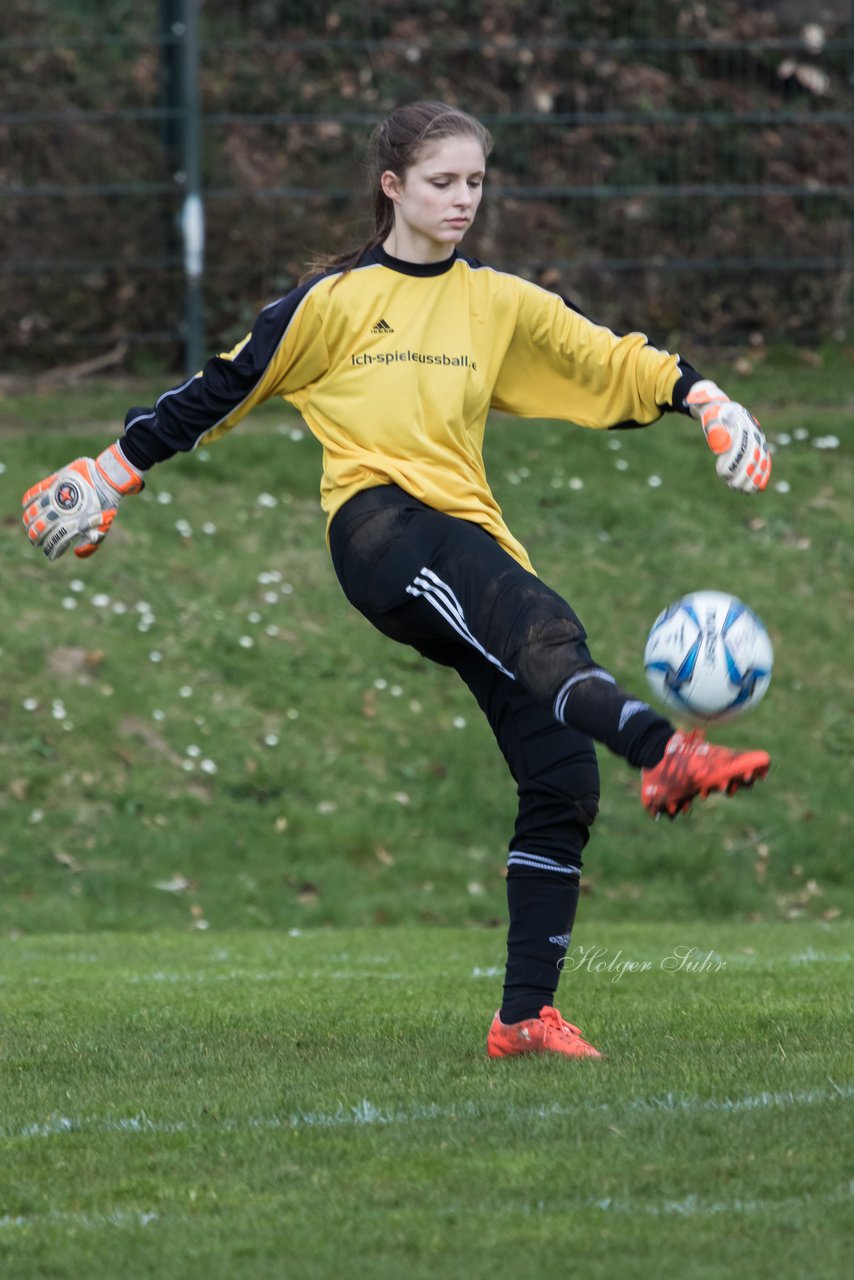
(395, 365)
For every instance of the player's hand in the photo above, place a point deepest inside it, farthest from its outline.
(78, 504)
(734, 435)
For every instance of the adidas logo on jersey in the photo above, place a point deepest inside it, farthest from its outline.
(382, 326)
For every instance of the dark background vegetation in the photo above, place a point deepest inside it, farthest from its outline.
(679, 166)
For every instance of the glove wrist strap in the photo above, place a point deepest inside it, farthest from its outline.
(115, 470)
(705, 393)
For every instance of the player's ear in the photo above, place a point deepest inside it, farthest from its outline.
(391, 185)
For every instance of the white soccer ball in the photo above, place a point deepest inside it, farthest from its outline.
(708, 656)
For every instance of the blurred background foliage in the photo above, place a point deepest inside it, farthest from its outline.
(677, 166)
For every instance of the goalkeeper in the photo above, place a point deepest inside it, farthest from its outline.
(394, 355)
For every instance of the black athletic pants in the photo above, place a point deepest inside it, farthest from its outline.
(445, 587)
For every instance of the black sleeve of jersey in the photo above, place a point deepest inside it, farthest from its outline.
(182, 416)
(688, 375)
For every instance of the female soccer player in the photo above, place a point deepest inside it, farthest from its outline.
(394, 355)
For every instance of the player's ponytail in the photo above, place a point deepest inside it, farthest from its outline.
(396, 145)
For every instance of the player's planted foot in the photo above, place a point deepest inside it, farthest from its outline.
(547, 1033)
(692, 767)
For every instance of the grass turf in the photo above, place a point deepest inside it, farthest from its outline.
(319, 1104)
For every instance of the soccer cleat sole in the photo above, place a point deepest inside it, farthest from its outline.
(742, 781)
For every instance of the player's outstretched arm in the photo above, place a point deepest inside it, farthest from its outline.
(77, 505)
(734, 435)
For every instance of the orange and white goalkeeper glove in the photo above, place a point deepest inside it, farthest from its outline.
(79, 503)
(734, 435)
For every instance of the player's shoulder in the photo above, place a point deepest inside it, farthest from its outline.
(308, 300)
(488, 275)
(313, 287)
(501, 278)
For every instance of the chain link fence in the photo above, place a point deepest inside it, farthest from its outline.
(685, 168)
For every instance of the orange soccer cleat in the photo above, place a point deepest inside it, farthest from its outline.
(547, 1033)
(692, 767)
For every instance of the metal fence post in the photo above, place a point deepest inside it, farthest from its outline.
(192, 211)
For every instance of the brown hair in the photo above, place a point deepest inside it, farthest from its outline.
(396, 144)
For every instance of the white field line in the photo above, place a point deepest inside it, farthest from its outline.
(810, 956)
(691, 1206)
(366, 1113)
(88, 1221)
(175, 978)
(356, 974)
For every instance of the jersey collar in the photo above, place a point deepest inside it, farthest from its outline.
(378, 254)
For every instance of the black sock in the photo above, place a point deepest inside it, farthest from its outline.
(542, 912)
(593, 702)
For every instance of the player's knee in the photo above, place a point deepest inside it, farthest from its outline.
(580, 785)
(586, 808)
(551, 652)
(558, 808)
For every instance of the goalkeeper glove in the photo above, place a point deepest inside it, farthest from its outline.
(79, 503)
(734, 435)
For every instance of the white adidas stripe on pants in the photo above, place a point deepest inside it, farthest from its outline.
(437, 593)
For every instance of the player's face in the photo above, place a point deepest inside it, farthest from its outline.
(435, 202)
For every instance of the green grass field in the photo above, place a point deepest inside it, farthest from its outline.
(318, 1104)
(252, 908)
